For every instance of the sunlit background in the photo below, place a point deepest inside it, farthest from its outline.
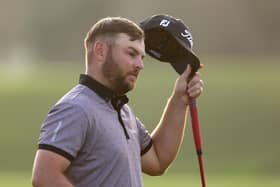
(42, 55)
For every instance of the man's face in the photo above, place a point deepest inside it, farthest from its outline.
(123, 63)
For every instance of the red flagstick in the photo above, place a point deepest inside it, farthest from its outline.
(197, 138)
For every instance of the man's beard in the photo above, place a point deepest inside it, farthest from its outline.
(116, 77)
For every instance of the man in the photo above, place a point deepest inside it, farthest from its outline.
(91, 137)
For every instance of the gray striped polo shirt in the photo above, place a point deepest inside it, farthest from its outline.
(99, 133)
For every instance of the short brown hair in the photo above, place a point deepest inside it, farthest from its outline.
(111, 26)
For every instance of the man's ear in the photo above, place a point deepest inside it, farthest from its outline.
(100, 49)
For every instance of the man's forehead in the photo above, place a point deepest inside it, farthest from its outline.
(124, 41)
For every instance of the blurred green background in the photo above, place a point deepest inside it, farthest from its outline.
(41, 57)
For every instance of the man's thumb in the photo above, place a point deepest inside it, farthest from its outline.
(187, 71)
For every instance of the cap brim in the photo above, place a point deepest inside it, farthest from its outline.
(181, 64)
(188, 58)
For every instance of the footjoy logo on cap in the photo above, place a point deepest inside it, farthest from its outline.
(164, 23)
(188, 35)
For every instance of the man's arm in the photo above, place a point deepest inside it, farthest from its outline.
(168, 135)
(48, 170)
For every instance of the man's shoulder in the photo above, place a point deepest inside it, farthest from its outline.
(79, 95)
(82, 97)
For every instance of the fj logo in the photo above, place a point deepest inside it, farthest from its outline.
(164, 23)
(187, 34)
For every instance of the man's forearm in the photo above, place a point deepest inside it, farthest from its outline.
(168, 135)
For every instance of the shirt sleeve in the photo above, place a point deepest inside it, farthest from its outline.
(144, 137)
(64, 130)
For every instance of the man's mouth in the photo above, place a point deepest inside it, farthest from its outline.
(134, 74)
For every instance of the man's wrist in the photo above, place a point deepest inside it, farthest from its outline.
(179, 101)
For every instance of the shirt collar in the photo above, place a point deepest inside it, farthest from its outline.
(101, 90)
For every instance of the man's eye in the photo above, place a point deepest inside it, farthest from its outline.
(132, 54)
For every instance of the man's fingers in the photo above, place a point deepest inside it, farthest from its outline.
(195, 86)
(195, 91)
(195, 80)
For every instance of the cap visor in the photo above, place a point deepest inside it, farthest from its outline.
(181, 64)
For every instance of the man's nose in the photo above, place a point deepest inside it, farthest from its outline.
(140, 64)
